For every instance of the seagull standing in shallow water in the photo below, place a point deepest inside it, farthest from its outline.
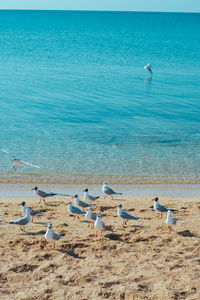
(108, 191)
(124, 215)
(148, 67)
(170, 221)
(51, 236)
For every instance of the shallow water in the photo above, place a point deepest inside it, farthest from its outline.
(76, 101)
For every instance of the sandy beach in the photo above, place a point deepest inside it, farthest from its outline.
(140, 261)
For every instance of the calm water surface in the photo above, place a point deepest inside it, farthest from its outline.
(76, 101)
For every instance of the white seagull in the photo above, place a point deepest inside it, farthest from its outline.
(79, 202)
(33, 212)
(88, 197)
(44, 195)
(17, 162)
(159, 208)
(74, 210)
(170, 221)
(108, 191)
(51, 236)
(124, 215)
(91, 217)
(148, 67)
(23, 221)
(99, 224)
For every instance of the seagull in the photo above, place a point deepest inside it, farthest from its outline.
(99, 224)
(24, 220)
(159, 208)
(108, 191)
(148, 67)
(33, 213)
(74, 210)
(124, 215)
(170, 221)
(44, 195)
(89, 197)
(90, 216)
(51, 236)
(18, 161)
(79, 202)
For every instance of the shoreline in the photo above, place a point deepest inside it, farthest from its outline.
(96, 179)
(162, 189)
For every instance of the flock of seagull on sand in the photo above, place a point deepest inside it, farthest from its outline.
(92, 218)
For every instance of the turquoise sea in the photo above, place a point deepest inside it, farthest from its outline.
(76, 100)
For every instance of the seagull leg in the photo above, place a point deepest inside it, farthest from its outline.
(170, 229)
(22, 228)
(73, 218)
(32, 220)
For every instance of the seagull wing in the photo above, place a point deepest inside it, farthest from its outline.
(83, 204)
(76, 210)
(108, 191)
(125, 215)
(26, 163)
(161, 208)
(56, 236)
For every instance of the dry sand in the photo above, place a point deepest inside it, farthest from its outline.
(140, 261)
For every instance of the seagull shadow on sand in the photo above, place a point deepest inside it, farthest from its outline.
(138, 226)
(71, 253)
(41, 223)
(53, 205)
(113, 237)
(188, 233)
(41, 232)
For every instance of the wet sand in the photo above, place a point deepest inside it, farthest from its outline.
(140, 261)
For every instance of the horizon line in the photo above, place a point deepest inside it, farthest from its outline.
(87, 10)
